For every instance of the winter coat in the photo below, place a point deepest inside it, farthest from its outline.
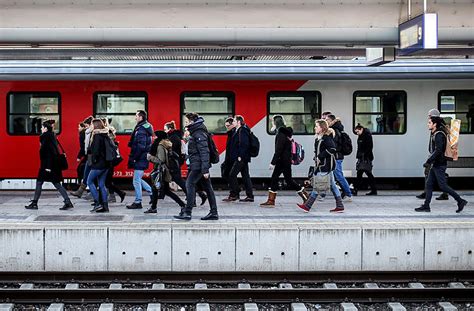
(282, 155)
(140, 143)
(175, 137)
(49, 158)
(324, 151)
(338, 129)
(82, 148)
(198, 147)
(228, 145)
(437, 147)
(161, 158)
(365, 145)
(97, 149)
(240, 145)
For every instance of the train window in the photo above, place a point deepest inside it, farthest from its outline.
(299, 109)
(458, 104)
(382, 112)
(28, 110)
(120, 108)
(214, 107)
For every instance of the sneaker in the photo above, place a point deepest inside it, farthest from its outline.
(135, 205)
(337, 210)
(347, 199)
(303, 207)
(210, 216)
(443, 197)
(423, 208)
(183, 216)
(247, 199)
(230, 199)
(151, 210)
(461, 205)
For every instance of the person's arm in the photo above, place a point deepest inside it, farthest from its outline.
(244, 144)
(202, 146)
(439, 147)
(280, 144)
(329, 151)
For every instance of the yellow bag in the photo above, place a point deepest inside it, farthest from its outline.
(451, 152)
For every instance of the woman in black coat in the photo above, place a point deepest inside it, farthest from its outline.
(49, 169)
(365, 156)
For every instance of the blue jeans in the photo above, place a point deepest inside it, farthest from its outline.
(101, 176)
(87, 170)
(339, 175)
(139, 184)
(437, 174)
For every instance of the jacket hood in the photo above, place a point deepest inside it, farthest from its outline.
(166, 143)
(288, 131)
(147, 126)
(330, 132)
(197, 125)
(101, 131)
(338, 125)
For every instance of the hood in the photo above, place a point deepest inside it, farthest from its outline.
(197, 125)
(338, 125)
(287, 131)
(166, 143)
(101, 131)
(147, 126)
(175, 132)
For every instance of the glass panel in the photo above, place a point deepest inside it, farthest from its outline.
(123, 124)
(31, 124)
(301, 124)
(448, 103)
(382, 123)
(368, 104)
(293, 104)
(207, 105)
(30, 103)
(119, 103)
(388, 102)
(465, 102)
(467, 122)
(215, 123)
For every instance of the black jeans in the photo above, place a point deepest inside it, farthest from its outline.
(286, 170)
(176, 177)
(58, 186)
(160, 194)
(109, 182)
(371, 177)
(193, 178)
(242, 168)
(438, 174)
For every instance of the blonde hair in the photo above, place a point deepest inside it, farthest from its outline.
(322, 124)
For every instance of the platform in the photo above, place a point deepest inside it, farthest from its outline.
(374, 233)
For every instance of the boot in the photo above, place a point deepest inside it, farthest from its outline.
(339, 206)
(203, 197)
(112, 198)
(104, 208)
(423, 208)
(78, 193)
(183, 216)
(461, 205)
(306, 206)
(122, 195)
(210, 216)
(67, 205)
(96, 205)
(443, 197)
(303, 194)
(151, 210)
(32, 205)
(421, 196)
(271, 199)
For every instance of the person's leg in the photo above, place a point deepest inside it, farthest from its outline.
(430, 182)
(62, 191)
(191, 181)
(373, 186)
(358, 184)
(336, 193)
(103, 190)
(246, 180)
(233, 182)
(277, 170)
(440, 173)
(287, 173)
(167, 191)
(212, 200)
(137, 185)
(38, 189)
(176, 177)
(146, 187)
(93, 174)
(339, 176)
(87, 170)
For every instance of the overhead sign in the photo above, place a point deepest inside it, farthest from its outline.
(419, 33)
(379, 56)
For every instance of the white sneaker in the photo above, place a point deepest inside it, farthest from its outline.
(347, 199)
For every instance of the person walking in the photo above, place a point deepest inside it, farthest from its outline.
(239, 158)
(325, 163)
(226, 166)
(99, 166)
(177, 158)
(140, 143)
(443, 196)
(199, 165)
(49, 170)
(365, 156)
(159, 156)
(437, 164)
(84, 143)
(281, 161)
(336, 125)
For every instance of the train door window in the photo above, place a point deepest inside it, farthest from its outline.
(120, 108)
(28, 110)
(299, 109)
(458, 104)
(382, 112)
(214, 107)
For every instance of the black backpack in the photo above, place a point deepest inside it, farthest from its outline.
(112, 154)
(213, 152)
(254, 145)
(345, 143)
(174, 161)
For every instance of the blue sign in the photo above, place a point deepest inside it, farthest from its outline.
(419, 33)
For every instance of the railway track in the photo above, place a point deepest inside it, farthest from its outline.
(237, 289)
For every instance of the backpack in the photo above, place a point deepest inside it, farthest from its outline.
(345, 143)
(112, 154)
(254, 145)
(297, 152)
(174, 161)
(213, 152)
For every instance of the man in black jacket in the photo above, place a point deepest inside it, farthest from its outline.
(227, 164)
(239, 157)
(437, 164)
(365, 156)
(199, 165)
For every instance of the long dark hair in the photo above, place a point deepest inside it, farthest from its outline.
(160, 135)
(440, 124)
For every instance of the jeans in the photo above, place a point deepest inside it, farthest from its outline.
(339, 175)
(286, 170)
(193, 178)
(87, 170)
(334, 189)
(438, 174)
(58, 186)
(242, 168)
(160, 194)
(139, 184)
(101, 176)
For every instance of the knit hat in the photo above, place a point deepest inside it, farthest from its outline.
(434, 113)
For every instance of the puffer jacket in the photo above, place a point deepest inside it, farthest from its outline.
(140, 143)
(97, 149)
(324, 151)
(365, 145)
(437, 147)
(282, 155)
(338, 129)
(198, 147)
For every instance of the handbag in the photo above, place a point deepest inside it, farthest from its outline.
(311, 172)
(62, 159)
(156, 177)
(364, 165)
(322, 182)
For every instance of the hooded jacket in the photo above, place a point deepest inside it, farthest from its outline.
(282, 153)
(198, 147)
(365, 145)
(325, 151)
(162, 157)
(140, 143)
(49, 154)
(97, 149)
(338, 129)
